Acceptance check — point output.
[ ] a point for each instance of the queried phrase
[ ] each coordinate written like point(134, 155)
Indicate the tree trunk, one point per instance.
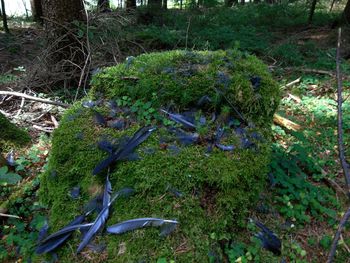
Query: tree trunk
point(230, 3)
point(37, 10)
point(346, 13)
point(4, 17)
point(165, 4)
point(66, 52)
point(312, 11)
point(155, 4)
point(242, 2)
point(103, 5)
point(130, 4)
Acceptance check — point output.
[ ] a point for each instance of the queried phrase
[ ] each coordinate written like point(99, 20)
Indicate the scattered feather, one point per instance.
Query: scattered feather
point(99, 119)
point(107, 192)
point(117, 124)
point(180, 119)
point(75, 192)
point(246, 143)
point(134, 224)
point(204, 101)
point(174, 150)
point(95, 204)
point(10, 159)
point(272, 179)
point(149, 150)
point(106, 146)
point(174, 191)
point(268, 239)
point(256, 82)
point(185, 138)
point(79, 136)
point(89, 104)
point(125, 149)
point(97, 248)
point(101, 218)
point(225, 147)
point(43, 231)
point(55, 240)
point(167, 229)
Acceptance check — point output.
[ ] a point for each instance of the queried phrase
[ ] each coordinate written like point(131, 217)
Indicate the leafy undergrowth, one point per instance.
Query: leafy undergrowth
point(302, 204)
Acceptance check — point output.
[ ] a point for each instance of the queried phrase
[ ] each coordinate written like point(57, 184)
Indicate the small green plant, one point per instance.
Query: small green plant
point(7, 177)
point(296, 197)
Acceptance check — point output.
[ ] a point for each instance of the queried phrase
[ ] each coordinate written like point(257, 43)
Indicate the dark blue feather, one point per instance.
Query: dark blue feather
point(75, 192)
point(55, 240)
point(117, 124)
point(180, 119)
point(268, 239)
point(134, 224)
point(99, 119)
point(225, 147)
point(101, 218)
point(125, 149)
point(10, 159)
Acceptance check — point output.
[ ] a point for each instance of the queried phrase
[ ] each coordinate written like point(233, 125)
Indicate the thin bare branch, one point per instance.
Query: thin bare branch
point(22, 95)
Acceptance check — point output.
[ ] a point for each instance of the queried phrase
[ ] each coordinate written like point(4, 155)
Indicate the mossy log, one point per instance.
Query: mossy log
point(218, 189)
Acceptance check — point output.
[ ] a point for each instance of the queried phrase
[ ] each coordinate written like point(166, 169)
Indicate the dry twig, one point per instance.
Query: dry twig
point(341, 153)
point(22, 95)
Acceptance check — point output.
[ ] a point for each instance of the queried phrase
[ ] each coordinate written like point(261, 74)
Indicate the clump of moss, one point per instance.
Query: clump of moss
point(10, 134)
point(217, 189)
point(181, 78)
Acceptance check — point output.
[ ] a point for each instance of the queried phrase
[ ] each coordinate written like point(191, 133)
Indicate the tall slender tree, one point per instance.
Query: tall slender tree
point(130, 4)
point(103, 5)
point(155, 4)
point(4, 17)
point(37, 10)
point(346, 13)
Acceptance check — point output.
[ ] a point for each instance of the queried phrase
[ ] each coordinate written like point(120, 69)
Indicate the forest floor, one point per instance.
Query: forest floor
point(306, 197)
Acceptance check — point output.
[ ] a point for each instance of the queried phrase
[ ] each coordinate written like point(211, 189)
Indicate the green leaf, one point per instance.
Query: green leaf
point(8, 178)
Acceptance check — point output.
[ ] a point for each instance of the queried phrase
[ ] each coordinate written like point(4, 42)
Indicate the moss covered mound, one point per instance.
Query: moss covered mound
point(208, 193)
point(182, 78)
point(10, 134)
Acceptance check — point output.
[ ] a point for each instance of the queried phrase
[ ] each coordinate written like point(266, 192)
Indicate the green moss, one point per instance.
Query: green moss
point(182, 78)
point(218, 189)
point(10, 134)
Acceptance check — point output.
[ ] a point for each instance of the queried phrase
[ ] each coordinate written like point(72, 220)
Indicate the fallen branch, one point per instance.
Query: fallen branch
point(281, 121)
point(292, 82)
point(7, 215)
point(44, 129)
point(337, 236)
point(22, 95)
point(309, 70)
point(341, 149)
point(341, 153)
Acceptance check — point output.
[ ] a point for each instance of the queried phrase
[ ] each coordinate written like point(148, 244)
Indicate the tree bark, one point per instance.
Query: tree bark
point(230, 3)
point(155, 4)
point(312, 11)
point(165, 4)
point(37, 10)
point(103, 5)
point(4, 17)
point(346, 13)
point(66, 53)
point(130, 4)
